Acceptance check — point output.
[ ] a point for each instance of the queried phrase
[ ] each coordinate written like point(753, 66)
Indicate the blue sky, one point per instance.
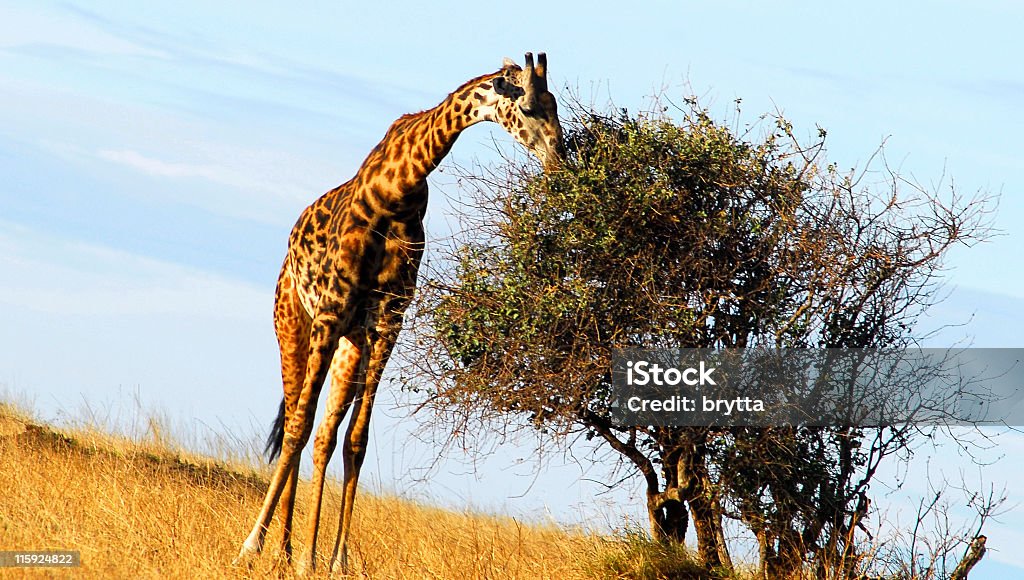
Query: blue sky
point(153, 158)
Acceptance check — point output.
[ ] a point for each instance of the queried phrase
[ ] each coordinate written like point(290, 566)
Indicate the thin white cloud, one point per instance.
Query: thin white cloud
point(160, 168)
point(55, 276)
point(252, 184)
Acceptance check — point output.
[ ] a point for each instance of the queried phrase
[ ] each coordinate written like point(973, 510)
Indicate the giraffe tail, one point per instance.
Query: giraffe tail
point(276, 438)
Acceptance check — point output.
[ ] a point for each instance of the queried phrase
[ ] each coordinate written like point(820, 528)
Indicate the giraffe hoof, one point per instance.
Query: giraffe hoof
point(304, 566)
point(246, 556)
point(339, 565)
point(244, 559)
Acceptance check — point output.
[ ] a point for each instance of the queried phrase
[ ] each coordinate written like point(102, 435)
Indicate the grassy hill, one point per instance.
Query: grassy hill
point(143, 510)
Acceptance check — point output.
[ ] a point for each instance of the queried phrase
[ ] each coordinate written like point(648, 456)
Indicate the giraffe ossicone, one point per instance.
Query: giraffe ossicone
point(349, 275)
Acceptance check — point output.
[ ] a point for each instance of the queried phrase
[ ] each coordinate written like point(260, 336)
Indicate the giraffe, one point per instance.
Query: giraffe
point(349, 275)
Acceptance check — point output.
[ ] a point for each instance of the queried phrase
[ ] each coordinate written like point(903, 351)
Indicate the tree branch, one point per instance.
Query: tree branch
point(974, 554)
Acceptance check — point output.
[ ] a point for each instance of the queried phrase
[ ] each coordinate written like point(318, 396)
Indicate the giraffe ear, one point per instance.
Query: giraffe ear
point(508, 63)
point(507, 89)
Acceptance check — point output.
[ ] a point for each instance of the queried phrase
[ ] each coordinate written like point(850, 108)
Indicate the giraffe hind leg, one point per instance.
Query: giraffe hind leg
point(288, 499)
point(272, 451)
point(327, 329)
point(292, 325)
point(326, 332)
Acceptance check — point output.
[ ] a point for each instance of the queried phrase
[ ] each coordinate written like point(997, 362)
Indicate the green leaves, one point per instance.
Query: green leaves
point(655, 233)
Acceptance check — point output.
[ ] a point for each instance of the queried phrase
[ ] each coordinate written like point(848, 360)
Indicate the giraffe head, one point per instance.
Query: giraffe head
point(527, 110)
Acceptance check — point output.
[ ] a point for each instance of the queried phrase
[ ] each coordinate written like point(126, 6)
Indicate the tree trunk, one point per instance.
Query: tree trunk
point(765, 553)
point(707, 524)
point(782, 561)
point(669, 521)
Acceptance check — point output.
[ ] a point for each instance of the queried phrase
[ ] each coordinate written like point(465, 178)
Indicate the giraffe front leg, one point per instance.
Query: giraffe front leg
point(347, 369)
point(357, 436)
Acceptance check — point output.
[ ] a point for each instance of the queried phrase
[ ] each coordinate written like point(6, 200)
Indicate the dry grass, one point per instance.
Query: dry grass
point(136, 510)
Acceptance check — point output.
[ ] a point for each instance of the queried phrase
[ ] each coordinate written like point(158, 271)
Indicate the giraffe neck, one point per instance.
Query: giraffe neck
point(416, 143)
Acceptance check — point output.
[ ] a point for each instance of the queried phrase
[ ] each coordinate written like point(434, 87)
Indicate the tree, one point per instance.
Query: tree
point(665, 234)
